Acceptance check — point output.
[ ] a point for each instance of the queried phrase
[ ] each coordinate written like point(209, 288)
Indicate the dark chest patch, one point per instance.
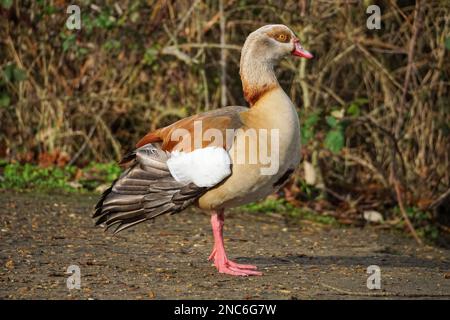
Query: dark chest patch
point(283, 178)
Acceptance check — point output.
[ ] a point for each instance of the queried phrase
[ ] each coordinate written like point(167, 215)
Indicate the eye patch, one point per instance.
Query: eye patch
point(280, 36)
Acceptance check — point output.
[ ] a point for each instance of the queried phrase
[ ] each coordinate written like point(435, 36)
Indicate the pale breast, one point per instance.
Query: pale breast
point(272, 136)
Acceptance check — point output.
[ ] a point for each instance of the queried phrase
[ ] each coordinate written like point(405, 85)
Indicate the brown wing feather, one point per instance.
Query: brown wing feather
point(220, 119)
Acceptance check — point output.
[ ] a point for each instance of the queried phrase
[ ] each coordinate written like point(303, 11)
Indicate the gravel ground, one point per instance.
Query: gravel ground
point(41, 235)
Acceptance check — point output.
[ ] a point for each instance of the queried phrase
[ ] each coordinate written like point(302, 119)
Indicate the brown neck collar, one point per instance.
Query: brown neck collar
point(253, 93)
point(257, 78)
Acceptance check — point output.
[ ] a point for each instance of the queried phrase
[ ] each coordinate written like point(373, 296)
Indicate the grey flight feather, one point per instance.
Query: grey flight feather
point(144, 191)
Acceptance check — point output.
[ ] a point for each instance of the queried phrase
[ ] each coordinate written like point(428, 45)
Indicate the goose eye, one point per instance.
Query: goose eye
point(282, 37)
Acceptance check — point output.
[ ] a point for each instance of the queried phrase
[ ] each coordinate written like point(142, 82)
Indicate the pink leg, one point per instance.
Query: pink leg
point(218, 254)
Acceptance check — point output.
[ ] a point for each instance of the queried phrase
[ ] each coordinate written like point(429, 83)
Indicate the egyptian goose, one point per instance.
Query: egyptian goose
point(214, 160)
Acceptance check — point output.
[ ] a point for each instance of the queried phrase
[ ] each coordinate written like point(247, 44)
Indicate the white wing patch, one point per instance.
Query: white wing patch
point(204, 167)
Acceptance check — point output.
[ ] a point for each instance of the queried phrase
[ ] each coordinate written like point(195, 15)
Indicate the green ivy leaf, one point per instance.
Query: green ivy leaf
point(307, 127)
point(312, 119)
point(14, 74)
point(354, 110)
point(334, 141)
point(19, 74)
point(8, 72)
point(332, 121)
point(5, 100)
point(307, 133)
point(105, 21)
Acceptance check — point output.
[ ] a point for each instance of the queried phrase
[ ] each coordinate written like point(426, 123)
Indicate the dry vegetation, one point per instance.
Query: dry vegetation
point(374, 104)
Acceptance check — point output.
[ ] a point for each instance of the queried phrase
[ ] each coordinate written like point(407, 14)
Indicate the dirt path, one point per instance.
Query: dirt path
point(41, 235)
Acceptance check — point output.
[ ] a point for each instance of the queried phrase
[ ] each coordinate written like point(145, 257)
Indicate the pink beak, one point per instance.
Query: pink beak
point(300, 52)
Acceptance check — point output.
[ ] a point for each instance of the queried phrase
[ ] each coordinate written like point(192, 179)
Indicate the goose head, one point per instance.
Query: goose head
point(263, 49)
point(272, 43)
